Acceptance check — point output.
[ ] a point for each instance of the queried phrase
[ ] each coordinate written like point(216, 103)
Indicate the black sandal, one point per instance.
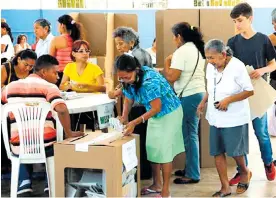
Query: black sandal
point(221, 194)
point(241, 188)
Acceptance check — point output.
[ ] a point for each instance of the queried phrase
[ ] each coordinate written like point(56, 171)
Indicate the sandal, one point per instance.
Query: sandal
point(221, 194)
point(242, 187)
point(147, 191)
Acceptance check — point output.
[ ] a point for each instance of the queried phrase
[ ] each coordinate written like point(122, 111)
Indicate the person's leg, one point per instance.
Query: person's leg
point(221, 165)
point(156, 174)
point(24, 180)
point(192, 166)
point(244, 171)
point(261, 132)
point(166, 173)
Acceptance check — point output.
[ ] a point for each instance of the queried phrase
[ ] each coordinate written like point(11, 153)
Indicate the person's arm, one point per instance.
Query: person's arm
point(64, 118)
point(65, 83)
point(223, 104)
point(156, 106)
point(3, 47)
point(4, 75)
point(126, 108)
point(95, 88)
point(171, 74)
point(52, 49)
point(16, 49)
point(271, 66)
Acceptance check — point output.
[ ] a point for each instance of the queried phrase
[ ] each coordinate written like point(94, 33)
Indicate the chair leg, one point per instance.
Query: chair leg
point(50, 169)
point(14, 176)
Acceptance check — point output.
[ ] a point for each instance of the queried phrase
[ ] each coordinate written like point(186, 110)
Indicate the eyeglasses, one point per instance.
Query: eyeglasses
point(84, 51)
point(27, 64)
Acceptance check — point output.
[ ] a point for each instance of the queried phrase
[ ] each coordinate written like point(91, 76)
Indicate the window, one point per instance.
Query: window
point(71, 3)
point(216, 3)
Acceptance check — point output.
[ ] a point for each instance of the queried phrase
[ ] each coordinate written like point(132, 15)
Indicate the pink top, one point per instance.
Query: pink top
point(64, 55)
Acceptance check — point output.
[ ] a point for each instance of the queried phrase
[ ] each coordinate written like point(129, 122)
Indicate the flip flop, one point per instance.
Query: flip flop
point(220, 194)
point(242, 187)
point(147, 191)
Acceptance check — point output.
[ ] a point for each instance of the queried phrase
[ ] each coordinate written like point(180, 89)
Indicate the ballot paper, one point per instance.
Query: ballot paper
point(129, 155)
point(70, 95)
point(104, 138)
point(263, 98)
point(116, 124)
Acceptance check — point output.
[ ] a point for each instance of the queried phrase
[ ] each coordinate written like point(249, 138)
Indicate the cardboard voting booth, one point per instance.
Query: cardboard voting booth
point(204, 19)
point(93, 165)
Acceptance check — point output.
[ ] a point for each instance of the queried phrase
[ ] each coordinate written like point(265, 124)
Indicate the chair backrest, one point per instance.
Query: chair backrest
point(30, 119)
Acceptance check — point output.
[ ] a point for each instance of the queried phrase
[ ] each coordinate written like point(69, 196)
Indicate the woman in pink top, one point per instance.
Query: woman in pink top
point(61, 46)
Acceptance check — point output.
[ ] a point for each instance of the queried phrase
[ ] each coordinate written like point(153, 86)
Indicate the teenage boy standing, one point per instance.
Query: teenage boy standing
point(254, 48)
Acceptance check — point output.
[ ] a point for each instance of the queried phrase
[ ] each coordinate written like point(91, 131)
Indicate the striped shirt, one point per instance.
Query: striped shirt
point(32, 88)
point(63, 55)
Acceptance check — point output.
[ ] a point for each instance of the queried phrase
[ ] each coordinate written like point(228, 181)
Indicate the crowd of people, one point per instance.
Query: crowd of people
point(164, 107)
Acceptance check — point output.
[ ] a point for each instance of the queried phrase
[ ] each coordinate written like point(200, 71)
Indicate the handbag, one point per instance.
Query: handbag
point(180, 95)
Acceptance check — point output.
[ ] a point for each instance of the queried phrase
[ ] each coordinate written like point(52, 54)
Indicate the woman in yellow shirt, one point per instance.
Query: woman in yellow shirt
point(82, 77)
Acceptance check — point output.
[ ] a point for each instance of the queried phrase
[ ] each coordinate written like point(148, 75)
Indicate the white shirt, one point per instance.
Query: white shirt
point(152, 54)
point(233, 80)
point(43, 46)
point(184, 59)
point(6, 40)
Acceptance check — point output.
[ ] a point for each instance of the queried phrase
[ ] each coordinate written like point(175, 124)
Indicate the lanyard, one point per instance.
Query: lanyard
point(216, 83)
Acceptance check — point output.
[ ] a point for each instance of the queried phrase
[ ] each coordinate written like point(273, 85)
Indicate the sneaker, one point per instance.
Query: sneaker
point(25, 187)
point(270, 171)
point(235, 180)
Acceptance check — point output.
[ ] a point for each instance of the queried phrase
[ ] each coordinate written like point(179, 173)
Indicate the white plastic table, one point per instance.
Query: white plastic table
point(86, 103)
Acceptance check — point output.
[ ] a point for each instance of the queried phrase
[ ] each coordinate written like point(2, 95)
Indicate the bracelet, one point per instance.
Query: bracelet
point(143, 119)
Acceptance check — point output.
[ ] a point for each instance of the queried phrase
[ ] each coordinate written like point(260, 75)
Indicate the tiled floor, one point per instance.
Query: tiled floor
point(259, 186)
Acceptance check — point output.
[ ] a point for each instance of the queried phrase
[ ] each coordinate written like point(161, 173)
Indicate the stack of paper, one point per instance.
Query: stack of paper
point(263, 98)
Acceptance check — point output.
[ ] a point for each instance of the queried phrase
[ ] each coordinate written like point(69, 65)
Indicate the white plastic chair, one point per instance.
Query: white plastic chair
point(30, 119)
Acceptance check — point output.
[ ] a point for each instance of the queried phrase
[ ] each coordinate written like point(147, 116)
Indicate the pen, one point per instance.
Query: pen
point(79, 138)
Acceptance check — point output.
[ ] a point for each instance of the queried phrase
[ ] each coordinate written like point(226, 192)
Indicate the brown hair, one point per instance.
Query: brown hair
point(77, 45)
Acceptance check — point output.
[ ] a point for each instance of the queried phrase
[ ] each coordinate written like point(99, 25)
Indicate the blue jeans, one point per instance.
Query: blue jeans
point(261, 132)
point(190, 134)
point(26, 170)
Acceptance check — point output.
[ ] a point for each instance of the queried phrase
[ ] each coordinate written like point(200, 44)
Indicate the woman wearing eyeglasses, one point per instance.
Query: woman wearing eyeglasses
point(82, 76)
point(228, 112)
point(19, 67)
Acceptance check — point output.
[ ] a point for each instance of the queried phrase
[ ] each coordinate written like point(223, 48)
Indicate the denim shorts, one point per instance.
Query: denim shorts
point(233, 140)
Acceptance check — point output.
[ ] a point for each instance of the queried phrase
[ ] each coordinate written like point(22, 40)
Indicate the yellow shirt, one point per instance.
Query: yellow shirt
point(89, 75)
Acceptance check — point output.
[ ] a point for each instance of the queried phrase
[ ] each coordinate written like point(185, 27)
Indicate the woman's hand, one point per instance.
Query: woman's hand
point(200, 108)
point(122, 119)
point(114, 94)
point(129, 128)
point(223, 104)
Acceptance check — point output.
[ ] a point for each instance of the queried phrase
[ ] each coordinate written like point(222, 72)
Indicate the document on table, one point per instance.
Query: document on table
point(129, 155)
point(263, 98)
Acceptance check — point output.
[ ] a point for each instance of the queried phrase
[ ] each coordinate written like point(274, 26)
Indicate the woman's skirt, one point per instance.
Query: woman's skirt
point(164, 137)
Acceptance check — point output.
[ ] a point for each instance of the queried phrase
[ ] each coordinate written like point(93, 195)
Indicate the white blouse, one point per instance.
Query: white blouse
point(233, 80)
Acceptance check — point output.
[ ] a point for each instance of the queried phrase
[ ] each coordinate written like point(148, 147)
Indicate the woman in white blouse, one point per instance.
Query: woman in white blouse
point(7, 51)
point(185, 69)
point(42, 30)
point(228, 112)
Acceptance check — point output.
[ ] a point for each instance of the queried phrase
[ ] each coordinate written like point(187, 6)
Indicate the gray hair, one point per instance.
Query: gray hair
point(218, 46)
point(273, 15)
point(127, 34)
point(44, 23)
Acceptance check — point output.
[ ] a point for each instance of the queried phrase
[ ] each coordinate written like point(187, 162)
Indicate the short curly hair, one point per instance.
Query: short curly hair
point(127, 34)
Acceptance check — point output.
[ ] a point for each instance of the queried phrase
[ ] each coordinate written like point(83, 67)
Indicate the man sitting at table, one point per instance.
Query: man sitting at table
point(39, 86)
